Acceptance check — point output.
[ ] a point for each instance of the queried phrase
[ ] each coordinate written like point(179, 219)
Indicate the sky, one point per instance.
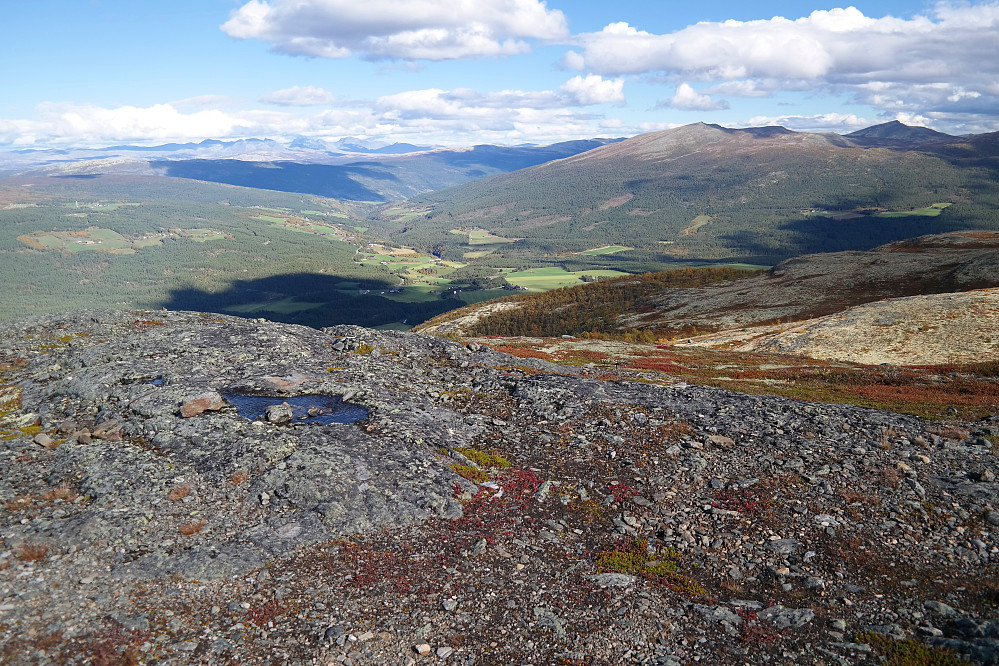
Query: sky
point(92, 73)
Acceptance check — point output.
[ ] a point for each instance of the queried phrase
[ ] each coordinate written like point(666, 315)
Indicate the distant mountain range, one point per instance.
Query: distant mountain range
point(694, 193)
point(347, 169)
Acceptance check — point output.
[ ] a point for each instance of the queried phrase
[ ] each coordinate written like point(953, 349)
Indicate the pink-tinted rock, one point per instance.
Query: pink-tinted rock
point(206, 402)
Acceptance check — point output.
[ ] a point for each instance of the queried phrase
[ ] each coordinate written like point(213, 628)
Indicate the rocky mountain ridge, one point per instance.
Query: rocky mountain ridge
point(489, 510)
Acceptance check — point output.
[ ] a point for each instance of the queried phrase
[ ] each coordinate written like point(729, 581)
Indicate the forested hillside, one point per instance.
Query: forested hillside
point(147, 242)
point(758, 195)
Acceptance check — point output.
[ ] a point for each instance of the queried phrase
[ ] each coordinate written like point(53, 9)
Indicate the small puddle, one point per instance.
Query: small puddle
point(323, 409)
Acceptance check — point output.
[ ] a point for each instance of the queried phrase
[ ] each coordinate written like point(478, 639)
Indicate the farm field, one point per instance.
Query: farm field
point(96, 239)
point(543, 279)
point(929, 211)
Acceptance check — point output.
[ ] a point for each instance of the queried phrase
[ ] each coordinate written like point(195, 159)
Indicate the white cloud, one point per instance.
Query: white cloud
point(469, 104)
point(947, 62)
point(593, 89)
point(300, 96)
point(404, 29)
point(825, 122)
point(688, 99)
point(95, 125)
point(743, 89)
point(461, 116)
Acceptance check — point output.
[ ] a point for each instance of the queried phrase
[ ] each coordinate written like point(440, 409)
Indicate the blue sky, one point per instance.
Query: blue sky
point(459, 72)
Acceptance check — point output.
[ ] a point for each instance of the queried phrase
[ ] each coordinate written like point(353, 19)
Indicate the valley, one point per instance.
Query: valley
point(101, 232)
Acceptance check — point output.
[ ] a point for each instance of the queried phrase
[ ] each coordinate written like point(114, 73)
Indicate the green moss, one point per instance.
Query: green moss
point(632, 557)
point(28, 431)
point(471, 473)
point(483, 459)
point(908, 652)
point(364, 349)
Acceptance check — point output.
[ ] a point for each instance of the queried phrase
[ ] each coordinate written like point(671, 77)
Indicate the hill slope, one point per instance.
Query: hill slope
point(487, 509)
point(387, 174)
point(935, 329)
point(703, 191)
point(799, 288)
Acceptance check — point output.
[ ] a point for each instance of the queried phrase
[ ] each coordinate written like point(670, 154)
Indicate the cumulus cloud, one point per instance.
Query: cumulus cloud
point(945, 62)
point(95, 125)
point(688, 99)
point(593, 89)
point(468, 103)
point(842, 123)
point(743, 88)
point(403, 29)
point(460, 116)
point(299, 96)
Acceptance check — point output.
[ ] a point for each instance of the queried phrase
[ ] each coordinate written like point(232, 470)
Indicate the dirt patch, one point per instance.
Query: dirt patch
point(616, 201)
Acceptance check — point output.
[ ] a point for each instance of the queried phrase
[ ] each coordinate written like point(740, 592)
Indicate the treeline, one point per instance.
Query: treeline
point(591, 308)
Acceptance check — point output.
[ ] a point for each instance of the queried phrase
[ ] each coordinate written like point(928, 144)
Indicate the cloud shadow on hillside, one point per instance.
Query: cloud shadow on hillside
point(311, 299)
point(812, 235)
point(326, 180)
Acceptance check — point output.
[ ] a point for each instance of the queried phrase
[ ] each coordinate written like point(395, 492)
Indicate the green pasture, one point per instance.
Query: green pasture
point(109, 240)
point(201, 235)
point(930, 211)
point(481, 237)
point(544, 279)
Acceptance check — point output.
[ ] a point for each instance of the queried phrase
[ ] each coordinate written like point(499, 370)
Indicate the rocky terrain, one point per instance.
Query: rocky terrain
point(488, 509)
point(934, 329)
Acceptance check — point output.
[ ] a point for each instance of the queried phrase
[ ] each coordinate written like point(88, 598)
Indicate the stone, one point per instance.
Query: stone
point(209, 401)
point(940, 608)
point(422, 649)
point(110, 431)
point(279, 414)
point(722, 441)
point(785, 546)
point(612, 579)
point(45, 441)
point(547, 618)
point(444, 652)
point(787, 618)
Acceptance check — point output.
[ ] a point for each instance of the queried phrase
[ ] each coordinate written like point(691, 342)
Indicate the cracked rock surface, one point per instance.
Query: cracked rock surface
point(487, 510)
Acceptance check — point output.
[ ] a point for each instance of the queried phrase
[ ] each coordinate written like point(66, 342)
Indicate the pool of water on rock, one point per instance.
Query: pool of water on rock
point(323, 409)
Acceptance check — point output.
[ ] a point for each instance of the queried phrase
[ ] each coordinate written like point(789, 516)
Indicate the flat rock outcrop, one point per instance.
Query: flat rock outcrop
point(935, 329)
point(487, 510)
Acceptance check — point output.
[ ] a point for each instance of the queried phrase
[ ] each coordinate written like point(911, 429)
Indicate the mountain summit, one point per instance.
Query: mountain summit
point(897, 131)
